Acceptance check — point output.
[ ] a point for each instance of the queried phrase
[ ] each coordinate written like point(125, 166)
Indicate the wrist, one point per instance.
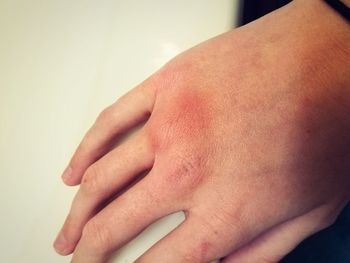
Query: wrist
point(325, 49)
point(338, 8)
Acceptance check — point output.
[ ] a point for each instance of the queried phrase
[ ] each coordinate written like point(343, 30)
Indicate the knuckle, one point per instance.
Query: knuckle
point(223, 226)
point(177, 72)
point(327, 215)
point(327, 222)
point(90, 183)
point(168, 76)
point(97, 237)
point(327, 219)
point(184, 176)
point(232, 218)
point(192, 255)
point(70, 223)
point(105, 115)
point(200, 253)
point(71, 227)
point(267, 259)
point(186, 173)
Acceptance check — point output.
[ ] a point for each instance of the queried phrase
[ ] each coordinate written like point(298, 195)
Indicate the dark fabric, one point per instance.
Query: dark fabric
point(331, 245)
point(340, 7)
point(253, 9)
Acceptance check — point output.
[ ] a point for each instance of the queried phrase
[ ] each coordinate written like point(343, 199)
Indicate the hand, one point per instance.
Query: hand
point(248, 133)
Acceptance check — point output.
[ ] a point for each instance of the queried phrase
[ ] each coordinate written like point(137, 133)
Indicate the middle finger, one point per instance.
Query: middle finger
point(103, 179)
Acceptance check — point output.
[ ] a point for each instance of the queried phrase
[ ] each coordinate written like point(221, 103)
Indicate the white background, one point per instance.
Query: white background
point(62, 62)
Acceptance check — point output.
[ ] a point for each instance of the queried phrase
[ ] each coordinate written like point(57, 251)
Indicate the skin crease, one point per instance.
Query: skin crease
point(248, 134)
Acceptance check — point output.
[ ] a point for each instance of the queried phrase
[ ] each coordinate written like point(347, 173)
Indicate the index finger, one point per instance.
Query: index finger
point(128, 111)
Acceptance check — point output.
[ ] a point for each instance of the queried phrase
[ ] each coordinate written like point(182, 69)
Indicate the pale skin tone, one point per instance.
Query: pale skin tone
point(247, 133)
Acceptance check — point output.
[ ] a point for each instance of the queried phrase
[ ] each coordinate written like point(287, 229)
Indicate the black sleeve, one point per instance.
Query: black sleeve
point(253, 9)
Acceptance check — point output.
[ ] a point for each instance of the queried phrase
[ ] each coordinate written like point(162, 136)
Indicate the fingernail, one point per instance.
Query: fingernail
point(60, 243)
point(67, 173)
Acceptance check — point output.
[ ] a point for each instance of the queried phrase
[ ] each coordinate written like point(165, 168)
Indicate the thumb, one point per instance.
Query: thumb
point(273, 245)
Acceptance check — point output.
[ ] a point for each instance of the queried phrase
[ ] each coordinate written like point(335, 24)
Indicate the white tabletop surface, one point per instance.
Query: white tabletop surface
point(62, 62)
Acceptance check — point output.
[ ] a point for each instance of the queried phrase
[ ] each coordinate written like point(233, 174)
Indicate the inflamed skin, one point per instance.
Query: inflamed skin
point(247, 133)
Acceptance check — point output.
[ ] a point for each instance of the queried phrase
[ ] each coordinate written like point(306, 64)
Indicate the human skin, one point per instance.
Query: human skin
point(247, 133)
point(347, 2)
